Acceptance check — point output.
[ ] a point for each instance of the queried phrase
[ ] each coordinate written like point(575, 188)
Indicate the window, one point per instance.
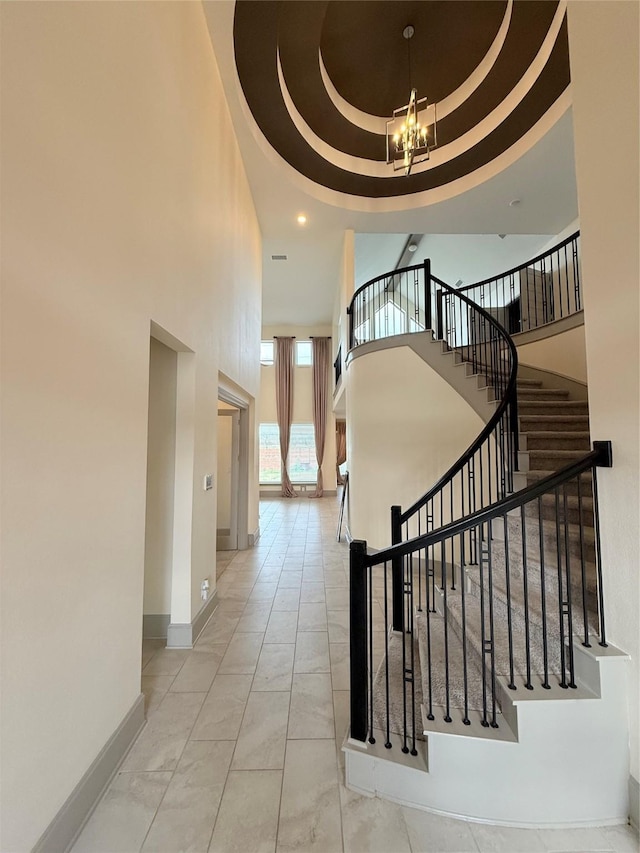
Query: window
point(304, 354)
point(303, 467)
point(266, 352)
point(269, 454)
point(388, 320)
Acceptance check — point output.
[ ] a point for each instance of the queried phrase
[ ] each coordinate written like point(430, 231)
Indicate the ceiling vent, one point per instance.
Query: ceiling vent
point(278, 257)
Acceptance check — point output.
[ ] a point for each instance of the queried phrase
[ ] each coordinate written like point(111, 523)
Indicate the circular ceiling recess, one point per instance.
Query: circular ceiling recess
point(321, 77)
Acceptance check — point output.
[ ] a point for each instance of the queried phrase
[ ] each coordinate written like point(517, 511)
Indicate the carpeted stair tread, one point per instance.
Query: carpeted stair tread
point(549, 407)
point(554, 423)
point(431, 642)
point(553, 459)
point(555, 439)
point(532, 477)
point(512, 595)
point(396, 699)
point(578, 509)
point(542, 394)
point(550, 539)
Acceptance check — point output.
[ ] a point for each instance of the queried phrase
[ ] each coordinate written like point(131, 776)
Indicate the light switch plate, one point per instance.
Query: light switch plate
point(208, 482)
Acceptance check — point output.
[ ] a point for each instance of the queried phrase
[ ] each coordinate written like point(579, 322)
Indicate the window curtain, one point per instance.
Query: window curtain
point(284, 405)
point(341, 449)
point(321, 361)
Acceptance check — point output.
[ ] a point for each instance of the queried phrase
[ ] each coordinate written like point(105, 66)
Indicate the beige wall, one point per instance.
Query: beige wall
point(603, 38)
point(124, 201)
point(302, 396)
point(405, 427)
point(564, 353)
point(161, 462)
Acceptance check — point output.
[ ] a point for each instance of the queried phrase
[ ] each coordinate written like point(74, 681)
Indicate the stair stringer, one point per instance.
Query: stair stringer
point(445, 362)
point(562, 762)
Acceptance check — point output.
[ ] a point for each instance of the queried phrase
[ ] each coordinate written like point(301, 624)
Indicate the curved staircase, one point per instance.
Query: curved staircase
point(497, 697)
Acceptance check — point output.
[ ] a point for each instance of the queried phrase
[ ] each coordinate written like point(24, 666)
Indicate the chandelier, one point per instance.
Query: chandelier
point(411, 133)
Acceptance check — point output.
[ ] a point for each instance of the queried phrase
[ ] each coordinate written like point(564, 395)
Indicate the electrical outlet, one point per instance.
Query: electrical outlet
point(204, 589)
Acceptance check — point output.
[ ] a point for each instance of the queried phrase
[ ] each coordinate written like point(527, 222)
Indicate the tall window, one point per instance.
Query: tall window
point(269, 454)
point(304, 354)
point(303, 467)
point(266, 352)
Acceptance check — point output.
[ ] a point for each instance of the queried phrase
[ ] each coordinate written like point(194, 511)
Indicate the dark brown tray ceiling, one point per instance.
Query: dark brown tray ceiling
point(366, 59)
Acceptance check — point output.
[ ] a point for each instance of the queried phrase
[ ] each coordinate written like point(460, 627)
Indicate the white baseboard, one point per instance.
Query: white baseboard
point(155, 625)
point(68, 823)
point(253, 537)
point(182, 635)
point(634, 802)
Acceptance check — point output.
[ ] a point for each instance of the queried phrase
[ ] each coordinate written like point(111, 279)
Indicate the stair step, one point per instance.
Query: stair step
point(551, 407)
point(430, 631)
point(513, 597)
point(553, 423)
point(578, 547)
point(555, 440)
point(542, 394)
point(528, 383)
point(521, 479)
point(576, 509)
point(553, 459)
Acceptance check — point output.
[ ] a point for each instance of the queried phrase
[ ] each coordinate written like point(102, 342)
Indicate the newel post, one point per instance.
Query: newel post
point(358, 637)
point(427, 294)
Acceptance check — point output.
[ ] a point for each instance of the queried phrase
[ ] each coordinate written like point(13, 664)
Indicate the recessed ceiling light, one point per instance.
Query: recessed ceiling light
point(302, 219)
point(514, 203)
point(412, 247)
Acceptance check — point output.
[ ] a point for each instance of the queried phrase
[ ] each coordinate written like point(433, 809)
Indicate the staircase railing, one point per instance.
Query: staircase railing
point(412, 300)
point(540, 291)
point(505, 622)
point(514, 577)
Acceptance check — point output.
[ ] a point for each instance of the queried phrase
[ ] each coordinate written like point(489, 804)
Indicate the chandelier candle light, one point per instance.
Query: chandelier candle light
point(411, 133)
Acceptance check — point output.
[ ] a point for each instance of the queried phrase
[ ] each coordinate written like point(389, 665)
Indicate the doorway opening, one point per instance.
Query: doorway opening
point(228, 477)
point(161, 463)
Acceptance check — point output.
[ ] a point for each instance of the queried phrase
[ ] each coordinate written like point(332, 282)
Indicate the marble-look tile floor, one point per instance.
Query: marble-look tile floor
point(241, 751)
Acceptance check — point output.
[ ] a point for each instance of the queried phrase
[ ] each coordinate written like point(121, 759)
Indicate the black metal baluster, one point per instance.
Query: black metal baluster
point(583, 566)
point(507, 567)
point(453, 562)
point(405, 749)
point(543, 599)
point(443, 558)
point(370, 638)
point(569, 604)
point(429, 609)
point(465, 676)
point(576, 275)
point(563, 680)
point(525, 590)
point(386, 654)
point(483, 637)
point(492, 646)
point(410, 634)
point(419, 568)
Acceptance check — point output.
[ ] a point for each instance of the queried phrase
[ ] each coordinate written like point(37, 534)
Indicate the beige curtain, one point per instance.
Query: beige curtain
point(341, 449)
point(321, 361)
point(284, 405)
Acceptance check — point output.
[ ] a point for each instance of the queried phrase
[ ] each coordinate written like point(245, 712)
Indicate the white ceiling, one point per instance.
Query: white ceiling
point(301, 290)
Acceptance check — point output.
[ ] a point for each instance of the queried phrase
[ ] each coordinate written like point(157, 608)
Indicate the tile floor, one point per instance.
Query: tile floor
point(241, 751)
